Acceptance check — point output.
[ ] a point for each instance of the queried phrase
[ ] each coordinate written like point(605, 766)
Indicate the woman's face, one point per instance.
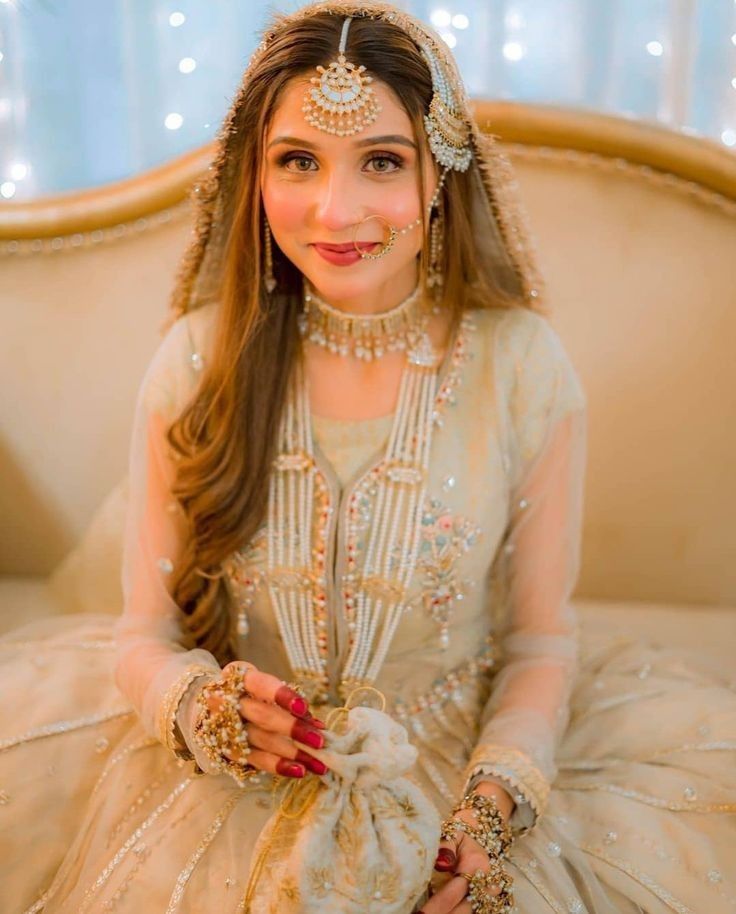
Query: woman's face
point(317, 187)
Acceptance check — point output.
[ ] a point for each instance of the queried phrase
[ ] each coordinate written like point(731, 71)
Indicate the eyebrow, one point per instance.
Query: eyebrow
point(368, 141)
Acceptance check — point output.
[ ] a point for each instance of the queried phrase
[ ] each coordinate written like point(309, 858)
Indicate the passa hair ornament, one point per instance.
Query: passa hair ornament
point(342, 103)
point(340, 100)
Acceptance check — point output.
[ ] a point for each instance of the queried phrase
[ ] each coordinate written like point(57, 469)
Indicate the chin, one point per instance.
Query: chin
point(331, 282)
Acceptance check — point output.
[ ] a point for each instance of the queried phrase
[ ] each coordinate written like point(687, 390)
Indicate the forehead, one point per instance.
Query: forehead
point(288, 117)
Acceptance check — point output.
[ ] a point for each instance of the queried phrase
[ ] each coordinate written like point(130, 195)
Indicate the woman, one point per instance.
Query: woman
point(358, 460)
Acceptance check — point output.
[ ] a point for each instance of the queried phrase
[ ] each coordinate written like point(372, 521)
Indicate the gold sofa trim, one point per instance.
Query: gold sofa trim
point(685, 163)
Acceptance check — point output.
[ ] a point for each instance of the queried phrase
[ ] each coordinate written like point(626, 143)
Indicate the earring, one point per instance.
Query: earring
point(268, 278)
point(435, 276)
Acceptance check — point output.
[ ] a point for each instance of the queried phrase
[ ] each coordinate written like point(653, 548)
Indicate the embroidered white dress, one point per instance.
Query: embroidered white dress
point(621, 755)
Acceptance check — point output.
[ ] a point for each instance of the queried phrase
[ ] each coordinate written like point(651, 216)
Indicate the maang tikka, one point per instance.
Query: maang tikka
point(341, 100)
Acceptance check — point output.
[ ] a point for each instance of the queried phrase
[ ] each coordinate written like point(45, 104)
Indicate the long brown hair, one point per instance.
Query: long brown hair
point(226, 436)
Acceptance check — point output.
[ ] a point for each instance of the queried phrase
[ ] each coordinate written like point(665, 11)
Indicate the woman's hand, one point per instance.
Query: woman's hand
point(464, 856)
point(279, 726)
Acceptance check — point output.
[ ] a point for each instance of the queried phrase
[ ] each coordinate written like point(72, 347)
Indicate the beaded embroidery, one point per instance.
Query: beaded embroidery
point(380, 555)
point(445, 538)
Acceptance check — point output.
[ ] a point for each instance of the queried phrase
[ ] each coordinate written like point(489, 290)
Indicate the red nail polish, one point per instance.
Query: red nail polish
point(303, 733)
point(315, 740)
point(445, 861)
point(290, 769)
point(313, 764)
point(298, 707)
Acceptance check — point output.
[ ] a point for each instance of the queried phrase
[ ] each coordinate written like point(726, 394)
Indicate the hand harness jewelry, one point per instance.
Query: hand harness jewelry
point(224, 729)
point(495, 837)
point(366, 336)
point(482, 881)
point(492, 832)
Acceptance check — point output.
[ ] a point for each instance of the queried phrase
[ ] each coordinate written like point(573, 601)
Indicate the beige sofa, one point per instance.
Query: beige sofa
point(636, 228)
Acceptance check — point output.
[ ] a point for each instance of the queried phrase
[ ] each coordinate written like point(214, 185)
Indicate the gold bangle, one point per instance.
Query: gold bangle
point(169, 707)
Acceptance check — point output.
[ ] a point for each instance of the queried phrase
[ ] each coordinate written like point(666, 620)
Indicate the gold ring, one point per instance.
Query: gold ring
point(465, 876)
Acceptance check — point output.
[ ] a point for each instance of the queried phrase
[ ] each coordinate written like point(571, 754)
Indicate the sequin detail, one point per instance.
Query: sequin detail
point(658, 802)
point(642, 878)
point(131, 843)
point(529, 870)
point(209, 836)
point(62, 726)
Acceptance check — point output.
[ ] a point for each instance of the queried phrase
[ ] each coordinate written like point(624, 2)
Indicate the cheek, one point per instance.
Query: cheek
point(285, 209)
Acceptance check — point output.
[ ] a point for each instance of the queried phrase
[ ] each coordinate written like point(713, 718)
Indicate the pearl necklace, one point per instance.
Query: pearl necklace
point(366, 336)
point(375, 595)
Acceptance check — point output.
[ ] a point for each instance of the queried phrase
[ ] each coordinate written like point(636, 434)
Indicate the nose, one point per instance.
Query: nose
point(335, 209)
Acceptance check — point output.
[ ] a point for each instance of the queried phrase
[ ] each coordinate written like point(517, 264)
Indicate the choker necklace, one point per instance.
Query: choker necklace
point(366, 336)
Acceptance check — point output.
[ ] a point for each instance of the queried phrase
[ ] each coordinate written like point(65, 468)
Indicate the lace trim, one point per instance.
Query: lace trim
point(169, 705)
point(514, 766)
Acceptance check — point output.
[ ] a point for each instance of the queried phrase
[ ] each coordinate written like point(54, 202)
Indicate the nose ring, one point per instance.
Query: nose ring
point(387, 245)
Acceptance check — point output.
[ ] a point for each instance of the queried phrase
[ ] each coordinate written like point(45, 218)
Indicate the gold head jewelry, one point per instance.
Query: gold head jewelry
point(340, 100)
point(499, 226)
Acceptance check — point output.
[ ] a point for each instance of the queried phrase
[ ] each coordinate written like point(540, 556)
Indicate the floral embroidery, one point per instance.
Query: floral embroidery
point(245, 571)
point(444, 538)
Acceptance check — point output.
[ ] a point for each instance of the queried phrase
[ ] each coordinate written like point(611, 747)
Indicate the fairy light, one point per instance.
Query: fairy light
point(449, 39)
point(655, 48)
point(514, 20)
point(514, 51)
point(440, 18)
point(176, 19)
point(729, 137)
point(187, 65)
point(18, 171)
point(173, 121)
point(7, 190)
point(460, 21)
point(733, 81)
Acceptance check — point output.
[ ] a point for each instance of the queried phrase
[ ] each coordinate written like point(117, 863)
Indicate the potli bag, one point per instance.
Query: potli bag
point(362, 839)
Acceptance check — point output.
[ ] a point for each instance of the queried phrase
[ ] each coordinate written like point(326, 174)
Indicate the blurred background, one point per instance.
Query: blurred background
point(93, 92)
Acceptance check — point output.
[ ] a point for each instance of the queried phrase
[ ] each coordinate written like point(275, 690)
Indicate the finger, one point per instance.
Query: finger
point(448, 897)
point(274, 764)
point(463, 908)
point(270, 688)
point(269, 717)
point(447, 854)
point(472, 857)
point(284, 747)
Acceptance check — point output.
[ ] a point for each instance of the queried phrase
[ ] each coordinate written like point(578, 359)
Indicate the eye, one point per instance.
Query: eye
point(384, 158)
point(298, 157)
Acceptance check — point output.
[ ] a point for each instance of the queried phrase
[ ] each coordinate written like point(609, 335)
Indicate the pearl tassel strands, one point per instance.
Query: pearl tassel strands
point(373, 599)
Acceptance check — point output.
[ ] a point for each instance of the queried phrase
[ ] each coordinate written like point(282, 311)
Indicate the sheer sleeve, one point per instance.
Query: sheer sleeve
point(534, 573)
point(151, 658)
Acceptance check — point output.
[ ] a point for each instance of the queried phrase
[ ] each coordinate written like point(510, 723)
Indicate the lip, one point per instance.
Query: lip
point(342, 255)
